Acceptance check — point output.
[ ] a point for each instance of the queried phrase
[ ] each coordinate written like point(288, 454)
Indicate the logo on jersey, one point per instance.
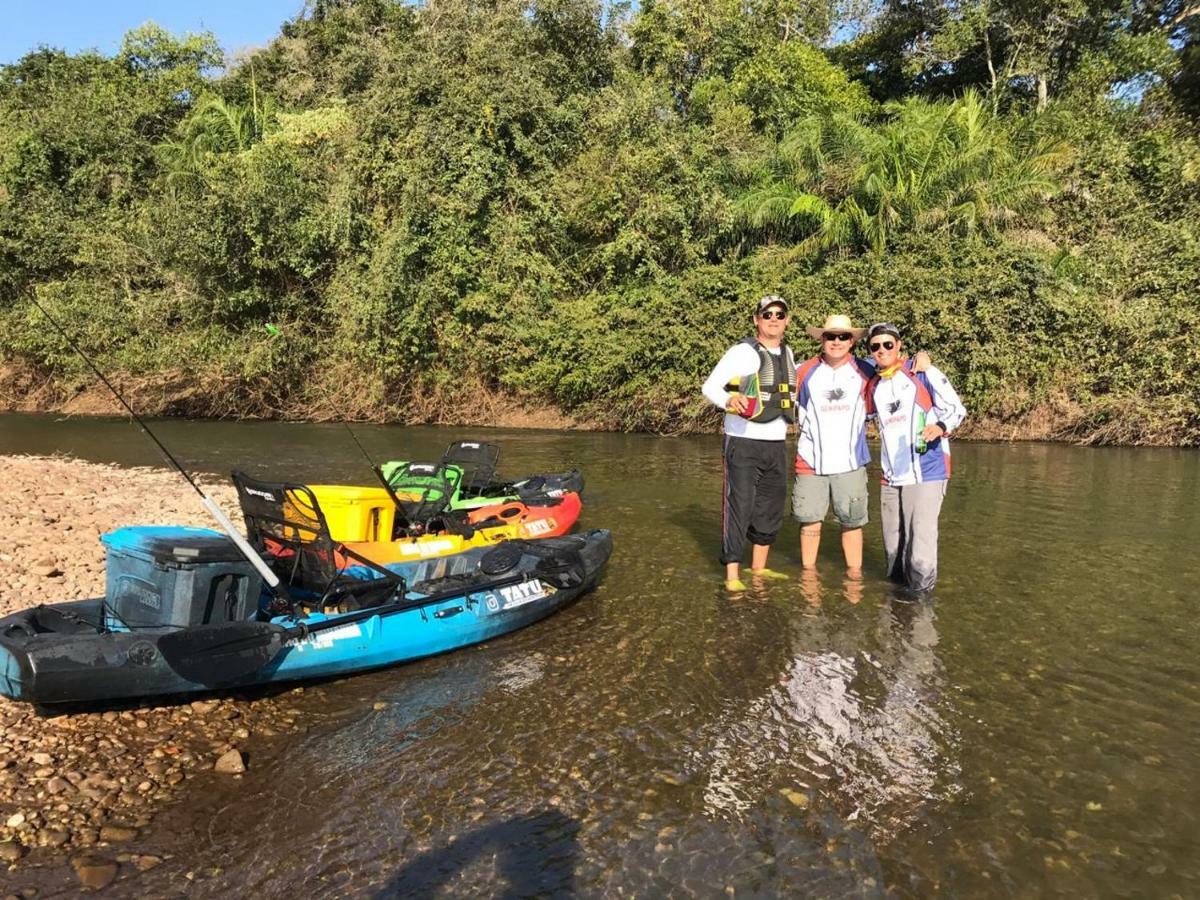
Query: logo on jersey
point(835, 394)
point(893, 406)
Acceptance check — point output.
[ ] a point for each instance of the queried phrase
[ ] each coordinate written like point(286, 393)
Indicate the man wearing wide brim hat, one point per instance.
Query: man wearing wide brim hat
point(831, 450)
point(835, 324)
point(754, 382)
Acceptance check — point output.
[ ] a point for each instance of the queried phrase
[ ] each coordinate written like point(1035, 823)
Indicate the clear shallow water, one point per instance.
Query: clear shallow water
point(1031, 731)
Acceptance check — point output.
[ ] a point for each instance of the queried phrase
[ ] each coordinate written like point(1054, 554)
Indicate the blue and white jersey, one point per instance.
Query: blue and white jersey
point(831, 416)
point(899, 404)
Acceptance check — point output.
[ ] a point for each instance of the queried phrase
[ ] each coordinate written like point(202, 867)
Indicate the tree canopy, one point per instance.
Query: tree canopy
point(570, 204)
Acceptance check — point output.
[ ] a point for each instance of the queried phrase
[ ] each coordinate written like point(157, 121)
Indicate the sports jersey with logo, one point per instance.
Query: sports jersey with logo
point(831, 416)
point(901, 404)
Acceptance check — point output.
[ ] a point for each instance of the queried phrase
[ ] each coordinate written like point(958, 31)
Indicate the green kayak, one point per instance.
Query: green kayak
point(466, 474)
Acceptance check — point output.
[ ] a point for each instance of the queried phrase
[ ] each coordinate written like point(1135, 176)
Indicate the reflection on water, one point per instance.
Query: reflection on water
point(859, 729)
point(1030, 730)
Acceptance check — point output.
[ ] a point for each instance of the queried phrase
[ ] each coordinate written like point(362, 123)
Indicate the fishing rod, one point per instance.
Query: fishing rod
point(363, 450)
point(209, 504)
point(401, 508)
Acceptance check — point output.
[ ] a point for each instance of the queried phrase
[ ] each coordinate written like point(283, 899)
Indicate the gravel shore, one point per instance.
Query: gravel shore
point(82, 784)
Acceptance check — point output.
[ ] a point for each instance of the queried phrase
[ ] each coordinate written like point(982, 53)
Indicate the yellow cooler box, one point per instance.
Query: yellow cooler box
point(356, 513)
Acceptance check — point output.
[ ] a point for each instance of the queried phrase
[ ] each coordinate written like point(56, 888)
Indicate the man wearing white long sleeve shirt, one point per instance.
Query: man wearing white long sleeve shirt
point(761, 371)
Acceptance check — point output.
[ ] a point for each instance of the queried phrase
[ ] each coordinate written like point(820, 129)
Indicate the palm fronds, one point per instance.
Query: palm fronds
point(931, 166)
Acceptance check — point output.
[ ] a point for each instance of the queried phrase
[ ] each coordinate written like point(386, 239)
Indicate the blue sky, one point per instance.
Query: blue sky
point(75, 25)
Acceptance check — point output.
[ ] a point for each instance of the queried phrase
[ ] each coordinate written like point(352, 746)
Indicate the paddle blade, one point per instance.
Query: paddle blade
point(214, 655)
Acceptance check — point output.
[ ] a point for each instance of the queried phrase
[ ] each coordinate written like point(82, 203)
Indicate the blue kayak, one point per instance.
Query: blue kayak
point(184, 612)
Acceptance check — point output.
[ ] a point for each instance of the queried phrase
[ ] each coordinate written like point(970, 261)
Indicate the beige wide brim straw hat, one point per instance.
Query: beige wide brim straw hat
point(837, 324)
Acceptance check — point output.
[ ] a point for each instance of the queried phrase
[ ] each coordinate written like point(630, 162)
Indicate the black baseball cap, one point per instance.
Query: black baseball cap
point(883, 328)
point(770, 300)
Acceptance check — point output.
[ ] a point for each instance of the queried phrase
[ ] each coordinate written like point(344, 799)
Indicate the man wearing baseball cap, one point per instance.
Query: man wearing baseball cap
point(755, 383)
point(915, 411)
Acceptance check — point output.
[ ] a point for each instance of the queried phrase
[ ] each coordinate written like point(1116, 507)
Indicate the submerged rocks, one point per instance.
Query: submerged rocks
point(117, 834)
point(93, 872)
point(10, 851)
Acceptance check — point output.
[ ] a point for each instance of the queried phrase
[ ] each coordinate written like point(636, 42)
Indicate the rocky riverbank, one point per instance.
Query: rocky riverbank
point(85, 784)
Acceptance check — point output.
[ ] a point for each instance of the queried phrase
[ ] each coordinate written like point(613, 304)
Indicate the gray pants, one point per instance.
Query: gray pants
point(909, 515)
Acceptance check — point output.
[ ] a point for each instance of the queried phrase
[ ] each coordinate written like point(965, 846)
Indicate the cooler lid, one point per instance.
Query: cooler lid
point(173, 544)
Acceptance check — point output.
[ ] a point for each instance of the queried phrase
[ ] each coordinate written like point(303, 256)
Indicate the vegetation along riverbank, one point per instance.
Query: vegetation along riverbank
point(553, 213)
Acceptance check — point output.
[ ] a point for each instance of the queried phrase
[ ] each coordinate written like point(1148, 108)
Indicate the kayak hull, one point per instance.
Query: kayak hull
point(55, 654)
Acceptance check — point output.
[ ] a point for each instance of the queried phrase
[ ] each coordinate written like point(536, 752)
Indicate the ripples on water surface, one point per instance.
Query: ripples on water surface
point(1031, 731)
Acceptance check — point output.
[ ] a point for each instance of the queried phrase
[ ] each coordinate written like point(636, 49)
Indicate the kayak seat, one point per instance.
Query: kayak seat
point(286, 524)
point(422, 494)
point(477, 461)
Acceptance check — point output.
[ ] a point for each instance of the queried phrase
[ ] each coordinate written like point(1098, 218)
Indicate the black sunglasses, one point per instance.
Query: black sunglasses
point(830, 336)
point(882, 345)
point(773, 314)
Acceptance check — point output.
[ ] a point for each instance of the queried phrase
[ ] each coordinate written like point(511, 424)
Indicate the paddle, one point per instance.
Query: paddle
point(224, 653)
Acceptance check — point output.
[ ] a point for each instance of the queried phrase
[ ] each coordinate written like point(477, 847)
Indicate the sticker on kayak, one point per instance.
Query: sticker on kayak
point(539, 526)
point(323, 640)
point(515, 595)
point(426, 548)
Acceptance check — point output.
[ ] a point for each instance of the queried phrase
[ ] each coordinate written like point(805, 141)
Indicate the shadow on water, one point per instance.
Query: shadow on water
point(702, 524)
point(533, 855)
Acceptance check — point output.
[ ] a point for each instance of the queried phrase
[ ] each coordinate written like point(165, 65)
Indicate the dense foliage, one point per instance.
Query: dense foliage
point(420, 212)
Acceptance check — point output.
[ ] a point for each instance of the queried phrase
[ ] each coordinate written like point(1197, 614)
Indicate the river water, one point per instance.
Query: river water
point(1031, 730)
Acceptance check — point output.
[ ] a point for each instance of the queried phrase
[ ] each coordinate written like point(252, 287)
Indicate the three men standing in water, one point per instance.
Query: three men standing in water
point(829, 397)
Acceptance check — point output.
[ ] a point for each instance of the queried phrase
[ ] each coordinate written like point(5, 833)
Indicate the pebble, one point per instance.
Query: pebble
point(69, 775)
point(52, 837)
point(45, 568)
point(94, 872)
point(796, 798)
point(117, 834)
point(230, 762)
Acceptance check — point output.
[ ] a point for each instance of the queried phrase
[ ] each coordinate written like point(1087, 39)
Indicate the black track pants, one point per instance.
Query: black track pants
point(755, 494)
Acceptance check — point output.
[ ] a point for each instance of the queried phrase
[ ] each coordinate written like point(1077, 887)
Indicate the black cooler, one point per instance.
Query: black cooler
point(176, 576)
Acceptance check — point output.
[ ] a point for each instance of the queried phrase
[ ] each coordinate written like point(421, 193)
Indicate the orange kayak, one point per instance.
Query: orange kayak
point(487, 525)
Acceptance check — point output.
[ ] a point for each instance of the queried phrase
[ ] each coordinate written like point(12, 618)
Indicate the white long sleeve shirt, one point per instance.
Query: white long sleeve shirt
point(739, 361)
point(898, 402)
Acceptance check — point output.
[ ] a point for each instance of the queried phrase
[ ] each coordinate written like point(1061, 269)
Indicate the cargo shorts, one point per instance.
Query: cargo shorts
point(812, 494)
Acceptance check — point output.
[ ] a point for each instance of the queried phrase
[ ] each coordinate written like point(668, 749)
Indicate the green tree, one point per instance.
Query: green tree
point(945, 166)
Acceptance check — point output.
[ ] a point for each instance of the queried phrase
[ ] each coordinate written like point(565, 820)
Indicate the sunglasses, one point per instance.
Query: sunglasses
point(773, 314)
point(830, 336)
point(882, 345)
